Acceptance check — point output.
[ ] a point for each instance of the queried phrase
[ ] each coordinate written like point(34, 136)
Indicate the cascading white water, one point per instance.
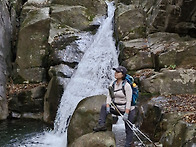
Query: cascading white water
point(93, 75)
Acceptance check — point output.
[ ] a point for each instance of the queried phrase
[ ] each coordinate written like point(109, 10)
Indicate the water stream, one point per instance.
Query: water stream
point(93, 75)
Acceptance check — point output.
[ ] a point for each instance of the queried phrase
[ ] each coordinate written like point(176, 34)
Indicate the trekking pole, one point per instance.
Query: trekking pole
point(133, 128)
point(141, 133)
point(128, 124)
point(111, 93)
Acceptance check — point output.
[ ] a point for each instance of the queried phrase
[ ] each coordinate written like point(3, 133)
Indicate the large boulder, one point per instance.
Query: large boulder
point(70, 17)
point(52, 97)
point(135, 55)
point(130, 22)
point(157, 51)
point(76, 16)
point(5, 55)
point(169, 15)
point(32, 49)
point(179, 132)
point(85, 117)
point(61, 70)
point(99, 139)
point(26, 100)
point(166, 120)
point(168, 81)
point(95, 7)
point(180, 54)
point(15, 10)
point(64, 53)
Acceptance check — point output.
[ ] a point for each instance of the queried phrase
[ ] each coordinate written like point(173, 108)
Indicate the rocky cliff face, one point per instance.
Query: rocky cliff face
point(159, 50)
point(47, 52)
point(154, 40)
point(5, 55)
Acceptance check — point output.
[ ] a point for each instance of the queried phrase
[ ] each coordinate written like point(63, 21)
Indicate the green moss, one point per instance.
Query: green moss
point(45, 39)
point(31, 15)
point(141, 31)
point(89, 14)
point(17, 79)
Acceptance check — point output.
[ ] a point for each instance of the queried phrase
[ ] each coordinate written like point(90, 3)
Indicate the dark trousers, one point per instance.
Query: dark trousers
point(129, 132)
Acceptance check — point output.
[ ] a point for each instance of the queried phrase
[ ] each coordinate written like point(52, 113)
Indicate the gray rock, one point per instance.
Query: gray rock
point(70, 56)
point(125, 26)
point(135, 55)
point(61, 70)
point(167, 81)
point(27, 101)
point(95, 7)
point(53, 96)
point(5, 55)
point(34, 75)
point(158, 50)
point(77, 20)
point(180, 54)
point(32, 49)
point(178, 133)
point(85, 117)
point(70, 17)
point(169, 128)
point(99, 139)
point(166, 15)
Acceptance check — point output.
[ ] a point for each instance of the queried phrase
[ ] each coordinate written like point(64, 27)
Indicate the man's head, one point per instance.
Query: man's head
point(121, 69)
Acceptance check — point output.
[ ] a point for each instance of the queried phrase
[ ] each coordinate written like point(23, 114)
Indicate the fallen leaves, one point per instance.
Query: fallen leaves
point(17, 88)
point(182, 103)
point(190, 118)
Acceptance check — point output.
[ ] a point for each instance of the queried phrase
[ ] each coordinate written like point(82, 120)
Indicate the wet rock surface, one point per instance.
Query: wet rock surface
point(52, 97)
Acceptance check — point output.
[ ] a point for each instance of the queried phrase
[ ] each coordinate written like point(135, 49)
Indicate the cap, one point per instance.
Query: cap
point(121, 69)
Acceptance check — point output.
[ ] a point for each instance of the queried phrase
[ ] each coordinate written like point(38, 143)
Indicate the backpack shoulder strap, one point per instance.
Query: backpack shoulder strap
point(117, 89)
point(123, 87)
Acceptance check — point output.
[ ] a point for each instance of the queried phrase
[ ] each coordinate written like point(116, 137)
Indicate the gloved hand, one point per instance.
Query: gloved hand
point(125, 117)
point(108, 110)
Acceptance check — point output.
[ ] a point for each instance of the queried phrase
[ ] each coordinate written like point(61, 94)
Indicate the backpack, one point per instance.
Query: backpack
point(135, 91)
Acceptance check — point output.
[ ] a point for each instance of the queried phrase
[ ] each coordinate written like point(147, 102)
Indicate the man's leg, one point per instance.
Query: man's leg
point(129, 132)
point(102, 115)
point(102, 118)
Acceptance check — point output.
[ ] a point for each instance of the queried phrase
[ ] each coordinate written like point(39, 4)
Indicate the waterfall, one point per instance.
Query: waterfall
point(93, 75)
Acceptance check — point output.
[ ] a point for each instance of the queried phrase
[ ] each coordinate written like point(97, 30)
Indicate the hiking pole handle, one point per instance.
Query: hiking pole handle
point(111, 91)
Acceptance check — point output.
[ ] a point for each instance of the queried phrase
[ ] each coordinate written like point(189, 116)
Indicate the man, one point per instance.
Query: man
point(122, 101)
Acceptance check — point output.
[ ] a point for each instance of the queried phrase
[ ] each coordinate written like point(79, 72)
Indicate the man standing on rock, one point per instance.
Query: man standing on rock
point(122, 101)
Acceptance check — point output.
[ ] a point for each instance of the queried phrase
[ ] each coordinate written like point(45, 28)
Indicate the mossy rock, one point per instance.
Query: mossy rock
point(33, 39)
point(86, 116)
point(99, 139)
point(130, 22)
point(95, 7)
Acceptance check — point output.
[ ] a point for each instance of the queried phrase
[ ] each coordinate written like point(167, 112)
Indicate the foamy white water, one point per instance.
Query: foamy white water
point(93, 75)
